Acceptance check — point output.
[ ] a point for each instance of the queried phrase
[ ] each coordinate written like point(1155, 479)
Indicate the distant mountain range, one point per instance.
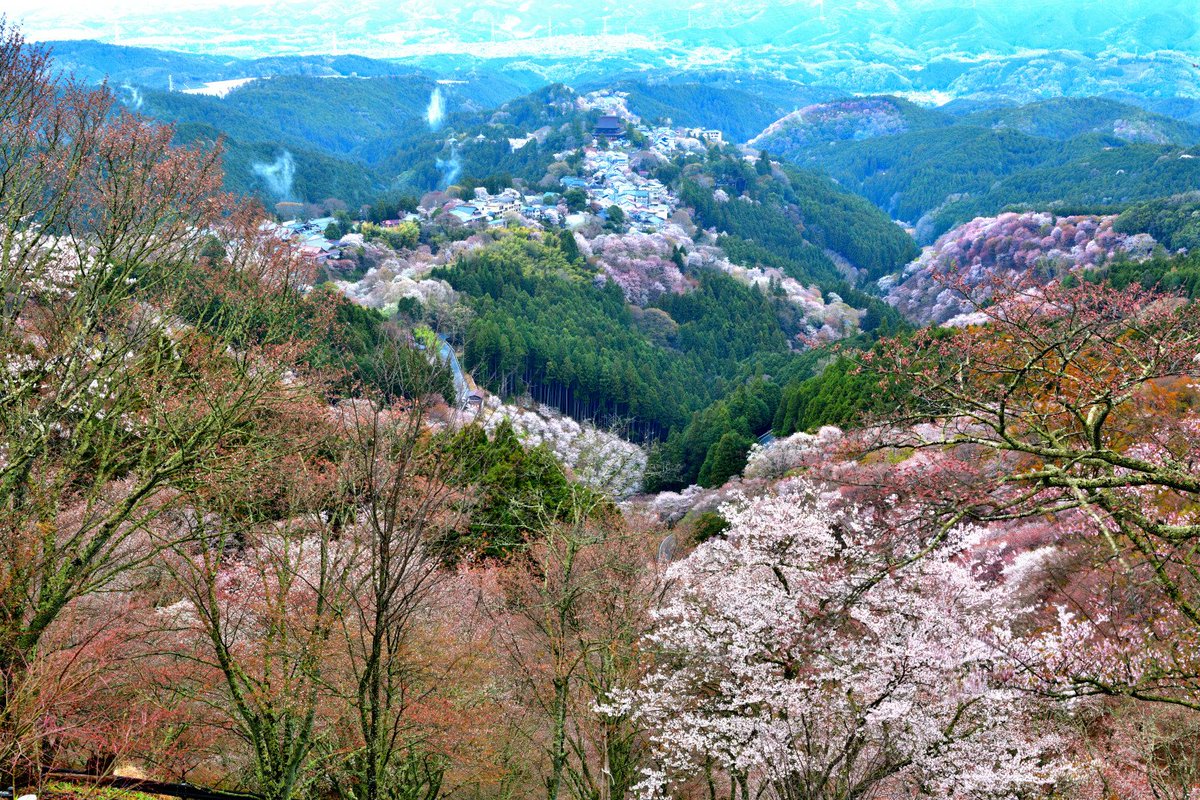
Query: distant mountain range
point(928, 50)
point(919, 30)
point(934, 168)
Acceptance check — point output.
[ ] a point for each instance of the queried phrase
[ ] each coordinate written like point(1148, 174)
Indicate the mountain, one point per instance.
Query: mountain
point(337, 116)
point(1109, 178)
point(935, 169)
point(1066, 117)
point(936, 50)
point(922, 27)
point(151, 68)
point(853, 119)
point(354, 138)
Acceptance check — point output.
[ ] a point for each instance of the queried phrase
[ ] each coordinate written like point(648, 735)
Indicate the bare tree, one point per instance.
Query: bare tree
point(407, 489)
point(569, 614)
point(268, 612)
point(132, 364)
point(1066, 405)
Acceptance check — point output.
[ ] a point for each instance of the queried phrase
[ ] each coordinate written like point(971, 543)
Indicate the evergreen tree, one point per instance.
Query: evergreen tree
point(725, 459)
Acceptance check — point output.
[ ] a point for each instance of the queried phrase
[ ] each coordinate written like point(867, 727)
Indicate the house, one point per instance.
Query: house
point(281, 232)
point(319, 254)
point(466, 214)
point(706, 135)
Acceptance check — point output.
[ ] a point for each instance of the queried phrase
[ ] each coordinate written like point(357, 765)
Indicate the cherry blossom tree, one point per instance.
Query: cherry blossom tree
point(1075, 405)
point(795, 662)
point(777, 459)
point(601, 459)
point(1036, 245)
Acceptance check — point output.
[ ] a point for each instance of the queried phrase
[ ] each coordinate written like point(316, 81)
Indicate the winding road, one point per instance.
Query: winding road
point(460, 380)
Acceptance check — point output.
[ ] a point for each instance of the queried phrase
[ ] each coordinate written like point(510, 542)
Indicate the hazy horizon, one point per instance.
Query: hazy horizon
point(552, 28)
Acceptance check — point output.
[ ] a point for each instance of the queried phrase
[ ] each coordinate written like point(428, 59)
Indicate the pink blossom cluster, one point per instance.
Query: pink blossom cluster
point(383, 287)
point(783, 456)
point(392, 276)
point(670, 508)
point(1034, 245)
point(640, 263)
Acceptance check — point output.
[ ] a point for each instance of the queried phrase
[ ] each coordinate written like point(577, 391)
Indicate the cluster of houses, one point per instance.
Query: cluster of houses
point(309, 235)
point(668, 142)
point(706, 135)
point(612, 181)
point(495, 209)
point(611, 175)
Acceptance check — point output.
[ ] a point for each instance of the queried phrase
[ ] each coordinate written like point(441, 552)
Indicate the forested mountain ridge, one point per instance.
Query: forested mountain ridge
point(929, 166)
point(944, 170)
point(1065, 118)
point(159, 69)
point(845, 119)
point(355, 139)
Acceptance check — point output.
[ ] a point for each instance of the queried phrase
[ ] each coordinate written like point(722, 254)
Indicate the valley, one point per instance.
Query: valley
point(797, 401)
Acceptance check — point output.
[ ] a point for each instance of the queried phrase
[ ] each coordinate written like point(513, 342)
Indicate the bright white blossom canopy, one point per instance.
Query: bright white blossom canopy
point(794, 656)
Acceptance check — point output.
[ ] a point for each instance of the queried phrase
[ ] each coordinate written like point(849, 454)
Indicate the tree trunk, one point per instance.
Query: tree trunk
point(558, 747)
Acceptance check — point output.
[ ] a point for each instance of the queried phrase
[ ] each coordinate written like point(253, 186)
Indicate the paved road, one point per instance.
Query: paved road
point(460, 380)
point(667, 549)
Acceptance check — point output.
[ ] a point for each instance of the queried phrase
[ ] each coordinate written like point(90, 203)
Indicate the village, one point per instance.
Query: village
point(615, 173)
